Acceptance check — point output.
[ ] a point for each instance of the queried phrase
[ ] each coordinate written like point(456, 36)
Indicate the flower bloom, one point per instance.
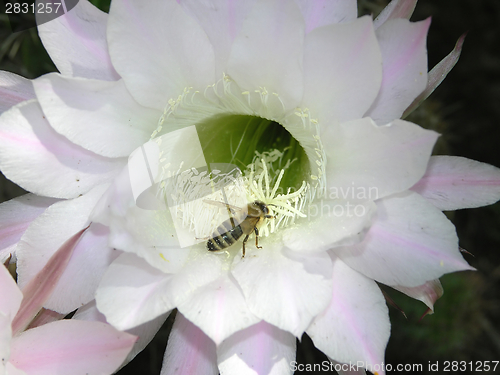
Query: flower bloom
point(304, 99)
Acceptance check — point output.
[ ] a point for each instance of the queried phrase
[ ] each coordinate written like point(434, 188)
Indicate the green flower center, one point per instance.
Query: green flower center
point(238, 139)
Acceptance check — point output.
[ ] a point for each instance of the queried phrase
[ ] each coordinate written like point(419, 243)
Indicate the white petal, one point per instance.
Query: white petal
point(90, 258)
point(285, 288)
point(5, 336)
point(268, 51)
point(11, 296)
point(376, 161)
point(15, 216)
point(218, 309)
point(189, 351)
point(409, 243)
point(350, 369)
point(342, 69)
point(132, 292)
point(11, 370)
point(452, 183)
point(14, 89)
point(355, 326)
point(38, 159)
point(100, 116)
point(259, 349)
point(437, 75)
point(158, 35)
point(428, 293)
point(116, 200)
point(76, 42)
point(404, 56)
point(323, 13)
point(146, 233)
point(221, 21)
point(330, 223)
point(150, 235)
point(395, 9)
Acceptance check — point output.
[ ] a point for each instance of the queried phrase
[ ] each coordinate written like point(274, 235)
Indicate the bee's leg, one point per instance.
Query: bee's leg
point(257, 239)
point(244, 241)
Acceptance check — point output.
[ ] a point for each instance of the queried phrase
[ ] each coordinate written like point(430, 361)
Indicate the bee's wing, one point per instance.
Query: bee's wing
point(234, 209)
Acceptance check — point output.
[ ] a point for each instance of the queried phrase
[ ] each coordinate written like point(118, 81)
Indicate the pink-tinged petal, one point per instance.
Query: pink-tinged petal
point(330, 223)
point(40, 287)
point(428, 293)
point(15, 216)
point(132, 292)
point(410, 243)
point(376, 161)
point(189, 351)
point(158, 35)
point(71, 347)
point(453, 182)
point(144, 333)
point(342, 84)
point(320, 13)
point(437, 75)
point(38, 159)
point(45, 316)
point(100, 116)
point(14, 89)
point(90, 260)
point(284, 288)
point(355, 326)
point(91, 256)
point(218, 309)
point(221, 21)
point(268, 51)
point(11, 295)
point(259, 349)
point(77, 44)
point(404, 56)
point(395, 9)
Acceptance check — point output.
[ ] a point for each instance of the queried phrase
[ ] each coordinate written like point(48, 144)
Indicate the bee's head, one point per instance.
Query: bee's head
point(261, 206)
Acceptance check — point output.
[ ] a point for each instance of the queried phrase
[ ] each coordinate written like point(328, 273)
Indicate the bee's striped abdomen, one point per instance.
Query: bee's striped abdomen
point(224, 236)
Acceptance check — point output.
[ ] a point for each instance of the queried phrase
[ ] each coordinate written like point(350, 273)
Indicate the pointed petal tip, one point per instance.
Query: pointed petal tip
point(437, 75)
point(40, 287)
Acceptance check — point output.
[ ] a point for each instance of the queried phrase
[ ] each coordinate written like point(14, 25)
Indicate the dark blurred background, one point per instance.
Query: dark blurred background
point(465, 109)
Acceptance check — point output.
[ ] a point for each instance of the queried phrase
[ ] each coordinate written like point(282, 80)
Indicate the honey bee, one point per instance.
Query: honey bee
point(229, 231)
